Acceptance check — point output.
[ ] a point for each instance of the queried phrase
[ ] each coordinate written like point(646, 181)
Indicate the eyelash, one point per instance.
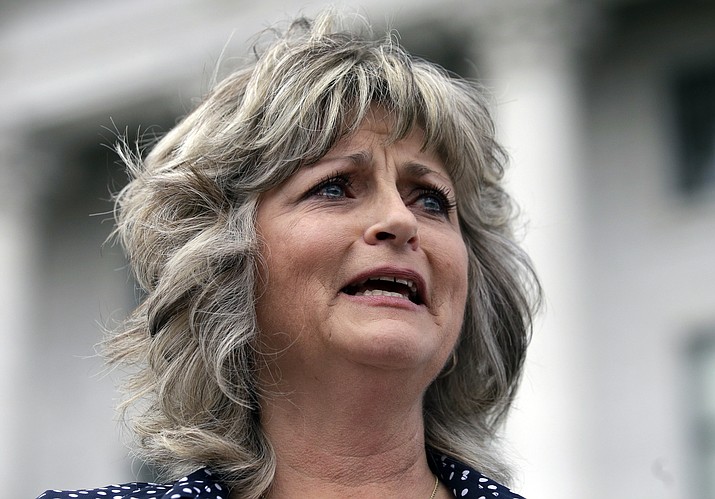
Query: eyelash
point(340, 179)
point(444, 194)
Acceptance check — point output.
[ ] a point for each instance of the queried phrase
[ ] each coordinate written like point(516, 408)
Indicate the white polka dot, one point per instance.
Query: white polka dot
point(465, 492)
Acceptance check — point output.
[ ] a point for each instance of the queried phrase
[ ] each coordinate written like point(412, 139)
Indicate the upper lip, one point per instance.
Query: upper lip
point(395, 272)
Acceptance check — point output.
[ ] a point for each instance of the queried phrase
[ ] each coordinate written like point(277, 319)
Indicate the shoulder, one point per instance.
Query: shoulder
point(465, 482)
point(201, 484)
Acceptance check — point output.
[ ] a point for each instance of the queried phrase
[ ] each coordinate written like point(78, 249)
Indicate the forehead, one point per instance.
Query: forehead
point(375, 133)
point(378, 121)
point(369, 149)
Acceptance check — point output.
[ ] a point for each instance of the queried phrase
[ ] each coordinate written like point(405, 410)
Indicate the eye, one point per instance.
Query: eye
point(432, 203)
point(332, 187)
point(436, 200)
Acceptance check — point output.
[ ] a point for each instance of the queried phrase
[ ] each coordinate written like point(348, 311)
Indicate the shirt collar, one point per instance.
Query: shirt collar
point(465, 482)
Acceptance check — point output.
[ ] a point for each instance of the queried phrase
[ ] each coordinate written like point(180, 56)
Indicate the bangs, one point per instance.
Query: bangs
point(321, 93)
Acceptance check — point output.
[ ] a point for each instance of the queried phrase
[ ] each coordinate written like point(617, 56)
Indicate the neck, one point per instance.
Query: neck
point(361, 439)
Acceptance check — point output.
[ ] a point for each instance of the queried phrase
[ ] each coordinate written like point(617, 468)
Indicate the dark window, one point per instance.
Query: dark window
point(701, 356)
point(695, 113)
point(445, 44)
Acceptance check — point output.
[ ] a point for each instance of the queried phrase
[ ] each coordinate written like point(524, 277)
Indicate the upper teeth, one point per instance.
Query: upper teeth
point(410, 284)
point(379, 292)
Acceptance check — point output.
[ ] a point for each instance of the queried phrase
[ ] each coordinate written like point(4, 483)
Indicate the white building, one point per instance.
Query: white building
point(608, 109)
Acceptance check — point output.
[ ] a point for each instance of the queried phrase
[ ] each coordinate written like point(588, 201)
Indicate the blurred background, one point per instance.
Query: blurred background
point(607, 108)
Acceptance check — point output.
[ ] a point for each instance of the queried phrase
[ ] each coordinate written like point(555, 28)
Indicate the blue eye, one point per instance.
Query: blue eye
point(435, 200)
point(333, 187)
point(331, 191)
point(432, 203)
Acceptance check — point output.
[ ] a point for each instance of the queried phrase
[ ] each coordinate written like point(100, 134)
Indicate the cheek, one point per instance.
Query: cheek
point(277, 290)
point(460, 265)
point(299, 262)
point(283, 251)
point(302, 254)
point(459, 271)
point(273, 268)
point(452, 272)
point(461, 285)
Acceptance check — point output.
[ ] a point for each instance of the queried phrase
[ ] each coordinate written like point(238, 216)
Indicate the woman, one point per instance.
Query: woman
point(334, 304)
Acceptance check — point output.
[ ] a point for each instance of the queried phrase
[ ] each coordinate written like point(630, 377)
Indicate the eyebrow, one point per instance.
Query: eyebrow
point(361, 158)
point(418, 170)
point(413, 169)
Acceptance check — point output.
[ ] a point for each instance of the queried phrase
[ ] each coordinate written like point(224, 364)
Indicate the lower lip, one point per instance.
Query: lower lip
point(384, 301)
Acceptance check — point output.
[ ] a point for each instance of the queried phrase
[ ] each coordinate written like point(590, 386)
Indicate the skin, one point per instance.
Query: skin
point(344, 375)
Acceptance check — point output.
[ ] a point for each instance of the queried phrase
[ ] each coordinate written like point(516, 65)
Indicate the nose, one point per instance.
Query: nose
point(392, 223)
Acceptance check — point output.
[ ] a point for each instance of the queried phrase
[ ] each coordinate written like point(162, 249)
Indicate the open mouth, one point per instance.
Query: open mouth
point(385, 286)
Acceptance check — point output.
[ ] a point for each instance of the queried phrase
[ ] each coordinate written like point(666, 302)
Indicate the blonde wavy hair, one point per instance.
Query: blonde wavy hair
point(187, 223)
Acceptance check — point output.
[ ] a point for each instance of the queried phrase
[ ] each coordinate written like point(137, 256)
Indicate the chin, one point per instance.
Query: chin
point(395, 348)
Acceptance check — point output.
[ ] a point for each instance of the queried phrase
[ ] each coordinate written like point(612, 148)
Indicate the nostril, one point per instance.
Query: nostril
point(383, 236)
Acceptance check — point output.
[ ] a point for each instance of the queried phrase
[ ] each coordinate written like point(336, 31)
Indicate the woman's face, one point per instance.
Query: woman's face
point(364, 260)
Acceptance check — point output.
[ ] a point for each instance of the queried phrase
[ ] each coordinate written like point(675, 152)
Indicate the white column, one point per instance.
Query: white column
point(527, 51)
point(17, 276)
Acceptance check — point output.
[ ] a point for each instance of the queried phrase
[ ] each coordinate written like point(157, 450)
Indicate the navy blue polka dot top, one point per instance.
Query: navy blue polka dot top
point(459, 478)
